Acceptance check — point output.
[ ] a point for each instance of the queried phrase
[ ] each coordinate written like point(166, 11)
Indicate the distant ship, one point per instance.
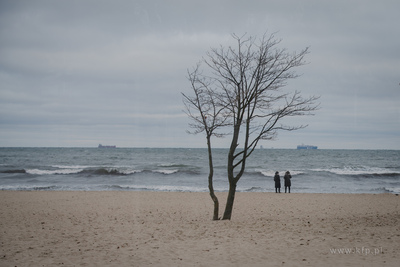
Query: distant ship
point(101, 146)
point(306, 147)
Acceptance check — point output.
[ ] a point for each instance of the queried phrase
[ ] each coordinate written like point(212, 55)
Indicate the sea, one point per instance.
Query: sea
point(186, 170)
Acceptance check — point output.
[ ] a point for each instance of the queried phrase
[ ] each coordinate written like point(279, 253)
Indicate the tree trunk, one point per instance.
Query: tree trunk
point(216, 205)
point(210, 180)
point(229, 201)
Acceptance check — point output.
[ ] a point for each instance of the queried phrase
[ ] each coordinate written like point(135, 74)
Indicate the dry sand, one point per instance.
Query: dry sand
point(175, 229)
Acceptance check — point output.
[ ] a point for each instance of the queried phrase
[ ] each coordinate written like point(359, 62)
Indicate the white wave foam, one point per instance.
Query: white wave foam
point(50, 172)
point(177, 188)
point(166, 171)
point(164, 188)
point(357, 170)
point(167, 164)
point(127, 172)
point(395, 190)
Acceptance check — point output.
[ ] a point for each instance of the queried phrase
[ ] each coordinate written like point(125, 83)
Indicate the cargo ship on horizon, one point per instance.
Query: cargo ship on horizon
point(101, 146)
point(306, 147)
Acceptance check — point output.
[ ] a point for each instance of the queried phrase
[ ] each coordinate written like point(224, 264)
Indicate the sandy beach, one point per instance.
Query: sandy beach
point(120, 228)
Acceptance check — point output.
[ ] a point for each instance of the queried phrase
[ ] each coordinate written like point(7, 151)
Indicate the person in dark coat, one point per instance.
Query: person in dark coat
point(287, 178)
point(277, 180)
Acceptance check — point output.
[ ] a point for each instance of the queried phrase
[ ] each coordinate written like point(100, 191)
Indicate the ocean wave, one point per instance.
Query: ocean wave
point(360, 171)
point(379, 190)
point(165, 171)
point(161, 188)
point(374, 175)
point(30, 188)
point(174, 165)
point(100, 171)
point(110, 171)
point(40, 188)
point(50, 172)
point(253, 189)
point(129, 172)
point(169, 188)
point(72, 166)
point(107, 172)
point(14, 171)
point(395, 190)
point(118, 187)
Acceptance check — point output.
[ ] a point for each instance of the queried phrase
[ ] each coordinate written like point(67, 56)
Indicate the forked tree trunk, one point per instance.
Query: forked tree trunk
point(231, 178)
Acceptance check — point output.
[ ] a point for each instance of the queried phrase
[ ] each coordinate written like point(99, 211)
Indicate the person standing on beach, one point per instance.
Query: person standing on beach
point(287, 178)
point(277, 180)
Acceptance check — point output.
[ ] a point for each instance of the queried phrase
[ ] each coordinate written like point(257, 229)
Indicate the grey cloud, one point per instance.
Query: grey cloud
point(104, 70)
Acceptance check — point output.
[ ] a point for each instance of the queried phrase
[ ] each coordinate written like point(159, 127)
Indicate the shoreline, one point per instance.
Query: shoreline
point(140, 228)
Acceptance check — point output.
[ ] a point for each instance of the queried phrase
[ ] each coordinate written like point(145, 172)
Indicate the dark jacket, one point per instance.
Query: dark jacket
point(277, 180)
point(287, 178)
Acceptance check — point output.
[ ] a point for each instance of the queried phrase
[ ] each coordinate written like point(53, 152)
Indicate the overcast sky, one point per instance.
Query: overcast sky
point(80, 73)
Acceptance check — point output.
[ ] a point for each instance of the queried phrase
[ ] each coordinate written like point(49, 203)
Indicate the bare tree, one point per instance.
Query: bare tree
point(245, 84)
point(208, 115)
